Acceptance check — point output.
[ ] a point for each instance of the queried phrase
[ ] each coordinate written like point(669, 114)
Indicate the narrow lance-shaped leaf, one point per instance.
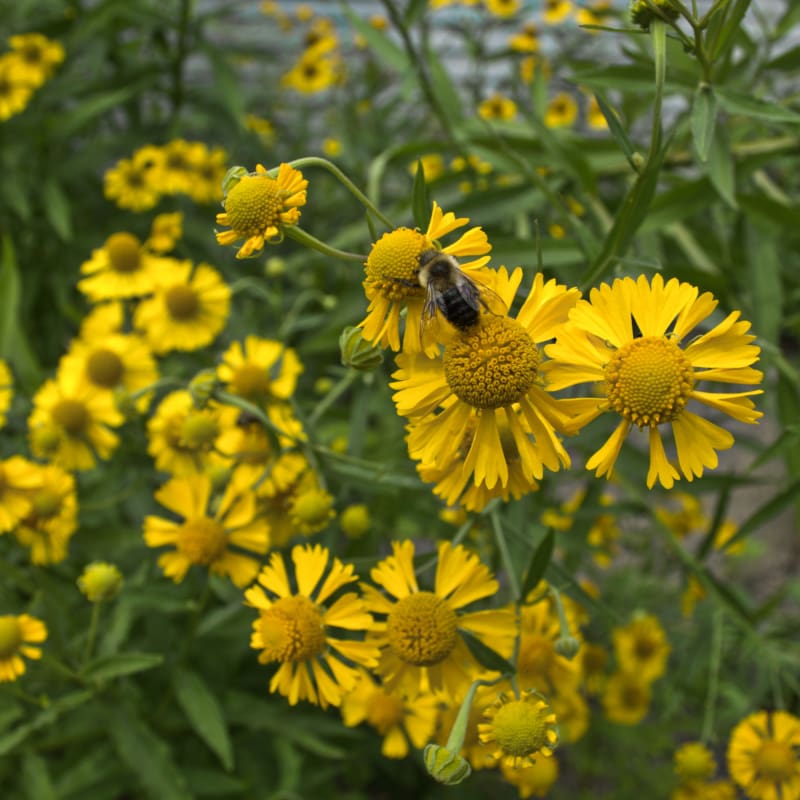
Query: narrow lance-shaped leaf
point(420, 203)
point(485, 656)
point(539, 562)
point(704, 119)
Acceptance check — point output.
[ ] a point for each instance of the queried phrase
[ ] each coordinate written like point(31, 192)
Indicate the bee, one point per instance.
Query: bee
point(451, 291)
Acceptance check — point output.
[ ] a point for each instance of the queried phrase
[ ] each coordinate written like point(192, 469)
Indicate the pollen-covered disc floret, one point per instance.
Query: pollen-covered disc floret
point(392, 266)
point(493, 364)
point(522, 728)
point(422, 629)
point(259, 205)
point(291, 630)
point(649, 381)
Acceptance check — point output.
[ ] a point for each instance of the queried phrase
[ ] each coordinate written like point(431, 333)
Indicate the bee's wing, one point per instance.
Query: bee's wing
point(431, 304)
point(469, 290)
point(491, 301)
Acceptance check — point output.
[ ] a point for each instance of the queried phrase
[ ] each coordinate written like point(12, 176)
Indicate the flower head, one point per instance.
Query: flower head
point(764, 755)
point(37, 55)
point(100, 581)
point(18, 478)
point(15, 90)
point(6, 390)
point(20, 635)
point(392, 276)
point(556, 11)
point(561, 112)
point(627, 338)
point(641, 647)
point(694, 761)
point(534, 780)
point(497, 107)
point(130, 183)
point(626, 698)
point(521, 727)
point(503, 8)
point(310, 627)
point(223, 534)
point(419, 631)
point(259, 205)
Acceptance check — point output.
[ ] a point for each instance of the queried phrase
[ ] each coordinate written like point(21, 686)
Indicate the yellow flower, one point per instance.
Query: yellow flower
point(392, 277)
point(332, 147)
point(120, 269)
point(20, 635)
point(595, 14)
point(75, 419)
point(354, 521)
point(648, 378)
point(317, 641)
point(116, 361)
point(103, 319)
point(166, 230)
point(223, 534)
point(480, 417)
point(418, 631)
point(15, 91)
point(594, 659)
point(556, 11)
point(626, 698)
point(18, 477)
point(263, 128)
point(314, 72)
point(311, 510)
point(397, 718)
point(189, 307)
point(595, 118)
point(764, 755)
point(527, 41)
point(641, 648)
point(259, 205)
point(6, 390)
point(498, 107)
point(37, 55)
point(432, 165)
point(534, 780)
point(694, 761)
point(687, 518)
point(130, 182)
point(100, 581)
point(260, 370)
point(521, 726)
point(207, 168)
point(573, 714)
point(52, 517)
point(503, 8)
point(562, 111)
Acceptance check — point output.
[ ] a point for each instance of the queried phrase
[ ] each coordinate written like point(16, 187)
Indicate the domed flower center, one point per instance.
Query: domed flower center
point(312, 507)
point(521, 727)
point(46, 503)
point(645, 647)
point(198, 431)
point(775, 761)
point(384, 711)
point(493, 364)
point(105, 368)
point(250, 381)
point(10, 636)
point(648, 381)
point(694, 762)
point(254, 204)
point(202, 540)
point(182, 302)
point(633, 696)
point(291, 630)
point(422, 629)
point(393, 264)
point(124, 252)
point(71, 415)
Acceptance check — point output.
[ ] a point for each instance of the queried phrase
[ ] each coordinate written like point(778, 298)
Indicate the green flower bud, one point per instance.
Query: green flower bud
point(232, 177)
point(202, 387)
point(357, 352)
point(642, 13)
point(567, 646)
point(100, 581)
point(446, 767)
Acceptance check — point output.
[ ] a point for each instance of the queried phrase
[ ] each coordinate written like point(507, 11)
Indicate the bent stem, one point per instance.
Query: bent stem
point(305, 238)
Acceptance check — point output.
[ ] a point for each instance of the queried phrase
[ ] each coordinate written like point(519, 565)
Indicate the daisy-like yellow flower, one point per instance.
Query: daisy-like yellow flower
point(497, 107)
point(535, 780)
point(355, 521)
point(310, 510)
point(502, 8)
point(70, 423)
point(597, 13)
point(556, 11)
point(15, 91)
point(38, 56)
point(432, 164)
point(522, 727)
point(626, 698)
point(641, 648)
point(52, 518)
point(208, 167)
point(260, 370)
point(6, 390)
point(18, 478)
point(20, 635)
point(562, 111)
point(117, 361)
point(130, 182)
point(648, 378)
point(573, 714)
point(189, 307)
point(397, 718)
point(259, 205)
point(100, 581)
point(419, 631)
point(223, 534)
point(595, 118)
point(314, 72)
point(181, 437)
point(121, 268)
point(315, 633)
point(694, 761)
point(165, 231)
point(684, 514)
point(480, 415)
point(392, 276)
point(101, 320)
point(594, 660)
point(527, 41)
point(705, 790)
point(764, 755)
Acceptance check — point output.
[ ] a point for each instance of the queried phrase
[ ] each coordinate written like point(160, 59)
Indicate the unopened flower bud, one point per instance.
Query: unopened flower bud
point(232, 177)
point(567, 646)
point(357, 352)
point(202, 386)
point(643, 14)
point(446, 767)
point(100, 581)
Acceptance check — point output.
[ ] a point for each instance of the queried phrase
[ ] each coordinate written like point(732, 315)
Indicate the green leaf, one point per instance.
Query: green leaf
point(721, 167)
point(9, 297)
point(789, 20)
point(443, 88)
point(735, 103)
point(764, 267)
point(704, 119)
point(790, 60)
point(88, 108)
point(615, 126)
point(416, 9)
point(204, 713)
point(146, 755)
point(485, 656)
point(384, 48)
point(769, 214)
point(113, 666)
point(57, 209)
point(36, 778)
point(725, 26)
point(209, 783)
point(539, 562)
point(420, 202)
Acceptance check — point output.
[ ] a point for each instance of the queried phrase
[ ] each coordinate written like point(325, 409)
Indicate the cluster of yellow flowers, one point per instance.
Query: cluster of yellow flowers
point(178, 167)
point(29, 63)
point(320, 65)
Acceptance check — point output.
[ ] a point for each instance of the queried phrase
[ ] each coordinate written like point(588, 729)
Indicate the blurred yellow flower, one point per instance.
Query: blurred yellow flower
point(556, 11)
point(15, 91)
point(503, 8)
point(527, 41)
point(641, 647)
point(100, 581)
point(626, 698)
point(498, 107)
point(562, 111)
point(6, 390)
point(20, 635)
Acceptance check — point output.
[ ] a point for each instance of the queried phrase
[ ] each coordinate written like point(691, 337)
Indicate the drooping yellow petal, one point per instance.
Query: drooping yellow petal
point(660, 468)
point(604, 459)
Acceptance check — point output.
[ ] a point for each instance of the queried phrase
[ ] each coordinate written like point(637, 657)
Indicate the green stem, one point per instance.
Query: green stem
point(505, 555)
point(306, 239)
point(658, 31)
point(92, 635)
point(713, 675)
point(345, 382)
point(316, 161)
